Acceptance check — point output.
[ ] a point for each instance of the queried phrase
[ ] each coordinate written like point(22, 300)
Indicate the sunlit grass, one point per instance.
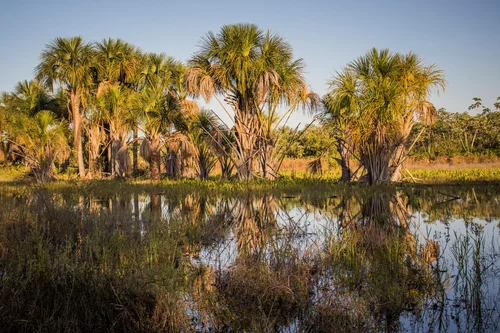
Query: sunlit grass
point(455, 175)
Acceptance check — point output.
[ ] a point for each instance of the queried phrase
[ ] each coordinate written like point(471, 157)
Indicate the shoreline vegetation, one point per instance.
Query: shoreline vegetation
point(415, 175)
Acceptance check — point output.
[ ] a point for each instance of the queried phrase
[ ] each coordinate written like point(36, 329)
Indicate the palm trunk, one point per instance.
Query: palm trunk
point(269, 165)
point(93, 168)
point(77, 132)
point(173, 165)
point(135, 150)
point(123, 159)
point(79, 151)
point(93, 147)
point(3, 151)
point(44, 170)
point(246, 136)
point(154, 165)
point(344, 161)
point(107, 160)
point(398, 164)
point(115, 163)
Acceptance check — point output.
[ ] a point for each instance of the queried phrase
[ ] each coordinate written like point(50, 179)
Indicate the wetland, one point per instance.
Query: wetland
point(301, 259)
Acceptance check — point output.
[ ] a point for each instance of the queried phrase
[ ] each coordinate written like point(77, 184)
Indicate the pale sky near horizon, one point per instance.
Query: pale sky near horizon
point(460, 37)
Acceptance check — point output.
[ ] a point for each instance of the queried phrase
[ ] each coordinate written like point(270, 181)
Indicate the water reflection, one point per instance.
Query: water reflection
point(422, 259)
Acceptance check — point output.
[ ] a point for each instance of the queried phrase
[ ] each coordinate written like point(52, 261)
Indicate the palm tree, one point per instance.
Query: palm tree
point(115, 104)
point(161, 107)
point(40, 140)
point(242, 65)
point(117, 64)
point(181, 146)
point(202, 134)
point(30, 97)
point(338, 104)
point(381, 95)
point(211, 133)
point(27, 99)
point(68, 62)
point(116, 61)
point(160, 115)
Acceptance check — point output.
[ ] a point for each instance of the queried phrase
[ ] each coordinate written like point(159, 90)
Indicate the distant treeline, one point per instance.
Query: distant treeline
point(453, 134)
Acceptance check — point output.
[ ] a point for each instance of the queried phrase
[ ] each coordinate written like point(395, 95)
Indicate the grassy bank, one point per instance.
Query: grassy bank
point(291, 181)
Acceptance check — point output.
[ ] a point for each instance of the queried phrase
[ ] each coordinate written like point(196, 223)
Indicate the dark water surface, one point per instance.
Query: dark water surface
point(423, 259)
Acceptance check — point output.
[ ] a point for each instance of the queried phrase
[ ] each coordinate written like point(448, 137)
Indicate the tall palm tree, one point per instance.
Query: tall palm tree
point(161, 114)
point(181, 145)
point(241, 64)
point(115, 117)
point(68, 62)
point(161, 107)
point(381, 95)
point(117, 64)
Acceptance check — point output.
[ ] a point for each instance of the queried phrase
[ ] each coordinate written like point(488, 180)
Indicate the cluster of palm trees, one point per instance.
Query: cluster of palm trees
point(373, 103)
point(111, 97)
point(108, 92)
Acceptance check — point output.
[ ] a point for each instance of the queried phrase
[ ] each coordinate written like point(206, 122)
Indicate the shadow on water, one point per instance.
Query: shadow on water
point(415, 259)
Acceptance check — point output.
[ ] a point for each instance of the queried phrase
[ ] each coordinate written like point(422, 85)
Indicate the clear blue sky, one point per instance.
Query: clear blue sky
point(460, 37)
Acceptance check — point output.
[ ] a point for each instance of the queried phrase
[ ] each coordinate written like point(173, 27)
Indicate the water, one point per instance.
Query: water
point(422, 259)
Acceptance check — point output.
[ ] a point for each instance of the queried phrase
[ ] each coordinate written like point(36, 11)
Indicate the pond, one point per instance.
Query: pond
point(407, 259)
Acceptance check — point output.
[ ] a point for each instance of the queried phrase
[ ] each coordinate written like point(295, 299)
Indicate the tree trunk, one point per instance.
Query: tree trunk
point(135, 150)
point(77, 132)
point(93, 169)
point(269, 165)
point(154, 165)
point(398, 164)
point(246, 127)
point(115, 163)
point(344, 161)
point(3, 150)
point(107, 160)
point(173, 165)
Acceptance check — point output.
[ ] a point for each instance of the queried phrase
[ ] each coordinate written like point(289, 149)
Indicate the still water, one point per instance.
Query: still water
point(423, 259)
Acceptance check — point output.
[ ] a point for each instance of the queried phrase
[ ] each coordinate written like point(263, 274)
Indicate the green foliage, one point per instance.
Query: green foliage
point(315, 141)
point(459, 134)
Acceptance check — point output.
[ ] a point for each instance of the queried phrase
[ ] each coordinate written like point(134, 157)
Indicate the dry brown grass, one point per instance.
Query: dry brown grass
point(457, 162)
point(300, 164)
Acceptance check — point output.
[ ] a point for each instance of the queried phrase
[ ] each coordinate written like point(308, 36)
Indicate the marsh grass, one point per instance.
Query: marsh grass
point(455, 176)
point(66, 270)
point(197, 257)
